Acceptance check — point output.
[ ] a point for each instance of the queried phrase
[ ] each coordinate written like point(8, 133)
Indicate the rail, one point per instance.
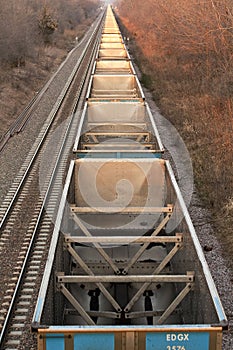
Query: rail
point(91, 46)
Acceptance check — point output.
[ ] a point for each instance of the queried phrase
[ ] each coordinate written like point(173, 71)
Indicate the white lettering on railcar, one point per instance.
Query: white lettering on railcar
point(177, 337)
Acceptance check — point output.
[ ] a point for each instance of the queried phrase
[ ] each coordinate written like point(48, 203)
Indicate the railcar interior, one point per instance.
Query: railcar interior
point(125, 267)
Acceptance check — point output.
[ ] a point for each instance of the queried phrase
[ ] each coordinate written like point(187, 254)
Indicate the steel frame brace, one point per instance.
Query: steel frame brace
point(121, 276)
point(96, 245)
point(124, 240)
point(145, 286)
point(90, 273)
point(119, 210)
point(145, 245)
point(188, 278)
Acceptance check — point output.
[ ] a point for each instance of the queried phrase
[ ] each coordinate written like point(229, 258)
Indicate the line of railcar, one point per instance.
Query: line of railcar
point(125, 268)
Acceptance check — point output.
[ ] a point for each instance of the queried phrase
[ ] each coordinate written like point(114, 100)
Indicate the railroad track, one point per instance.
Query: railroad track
point(23, 212)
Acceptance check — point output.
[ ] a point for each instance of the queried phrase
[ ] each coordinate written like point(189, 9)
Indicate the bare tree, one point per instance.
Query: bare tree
point(23, 22)
point(17, 31)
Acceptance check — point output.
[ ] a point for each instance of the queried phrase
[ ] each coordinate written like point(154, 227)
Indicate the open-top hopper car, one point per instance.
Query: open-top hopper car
point(125, 268)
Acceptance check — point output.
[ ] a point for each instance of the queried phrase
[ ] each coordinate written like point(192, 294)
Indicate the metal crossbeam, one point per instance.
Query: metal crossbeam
point(113, 93)
point(126, 279)
point(127, 210)
point(118, 144)
point(135, 125)
point(115, 98)
point(119, 150)
point(124, 239)
point(129, 133)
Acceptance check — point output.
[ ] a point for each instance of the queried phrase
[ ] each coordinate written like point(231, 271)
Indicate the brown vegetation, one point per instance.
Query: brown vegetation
point(185, 51)
point(25, 25)
point(34, 38)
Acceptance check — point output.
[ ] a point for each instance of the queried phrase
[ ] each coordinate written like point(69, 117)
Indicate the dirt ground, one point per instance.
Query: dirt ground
point(20, 84)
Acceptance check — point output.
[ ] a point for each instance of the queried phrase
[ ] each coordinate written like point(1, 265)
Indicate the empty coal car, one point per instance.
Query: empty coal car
point(125, 268)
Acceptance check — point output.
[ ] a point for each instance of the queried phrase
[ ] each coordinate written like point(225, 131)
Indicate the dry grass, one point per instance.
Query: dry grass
point(19, 85)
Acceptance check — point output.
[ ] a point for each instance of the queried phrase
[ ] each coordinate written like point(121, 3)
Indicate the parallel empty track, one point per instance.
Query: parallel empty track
point(23, 213)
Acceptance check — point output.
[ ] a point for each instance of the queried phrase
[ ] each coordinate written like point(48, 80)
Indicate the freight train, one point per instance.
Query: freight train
point(125, 267)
